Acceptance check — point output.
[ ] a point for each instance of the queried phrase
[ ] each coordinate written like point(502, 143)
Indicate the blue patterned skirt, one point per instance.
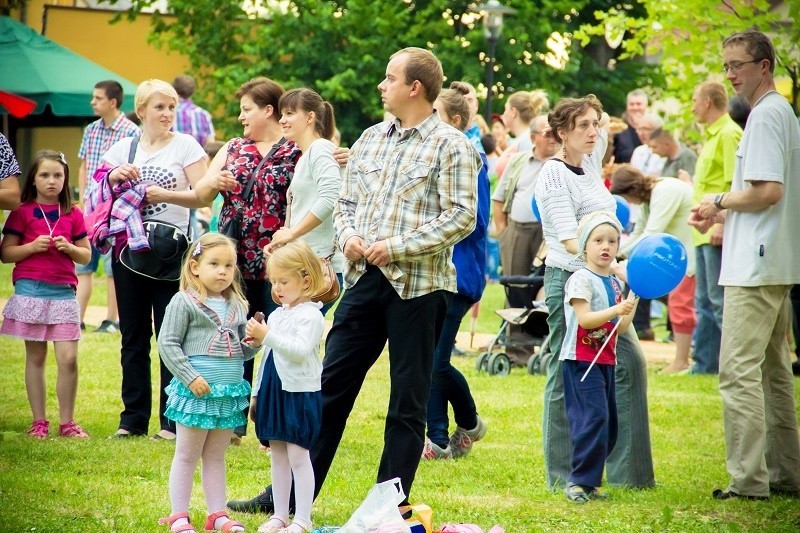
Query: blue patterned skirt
point(293, 417)
point(222, 407)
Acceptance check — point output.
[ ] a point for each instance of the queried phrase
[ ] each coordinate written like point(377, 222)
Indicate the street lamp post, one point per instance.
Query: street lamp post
point(492, 13)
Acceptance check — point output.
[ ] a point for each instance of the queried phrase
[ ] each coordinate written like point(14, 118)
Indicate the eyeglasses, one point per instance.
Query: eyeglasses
point(736, 66)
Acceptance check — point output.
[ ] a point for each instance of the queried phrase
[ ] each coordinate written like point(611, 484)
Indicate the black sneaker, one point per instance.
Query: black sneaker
point(260, 504)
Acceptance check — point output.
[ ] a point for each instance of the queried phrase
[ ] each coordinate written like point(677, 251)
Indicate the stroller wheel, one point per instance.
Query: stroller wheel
point(534, 364)
point(499, 364)
point(482, 362)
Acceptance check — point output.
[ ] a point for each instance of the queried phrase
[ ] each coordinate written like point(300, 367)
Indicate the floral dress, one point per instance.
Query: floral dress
point(264, 211)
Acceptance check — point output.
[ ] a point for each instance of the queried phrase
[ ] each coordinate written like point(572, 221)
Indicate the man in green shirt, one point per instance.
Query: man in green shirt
point(713, 174)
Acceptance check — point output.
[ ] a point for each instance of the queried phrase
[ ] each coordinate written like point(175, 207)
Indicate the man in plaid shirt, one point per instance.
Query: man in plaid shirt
point(409, 194)
point(189, 117)
point(99, 136)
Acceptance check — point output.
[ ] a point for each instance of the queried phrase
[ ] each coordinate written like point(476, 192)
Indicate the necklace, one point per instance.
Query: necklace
point(50, 228)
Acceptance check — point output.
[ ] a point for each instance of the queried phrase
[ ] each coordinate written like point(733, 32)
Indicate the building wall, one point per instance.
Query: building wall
point(121, 47)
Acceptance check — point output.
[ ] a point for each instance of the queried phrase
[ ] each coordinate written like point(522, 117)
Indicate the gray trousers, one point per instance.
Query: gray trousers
point(630, 463)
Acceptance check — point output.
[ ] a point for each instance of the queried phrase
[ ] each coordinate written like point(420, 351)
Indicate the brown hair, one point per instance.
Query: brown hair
point(454, 103)
point(184, 85)
point(567, 111)
point(263, 92)
point(662, 134)
point(528, 104)
point(715, 92)
point(755, 43)
point(311, 102)
point(628, 180)
point(424, 67)
point(29, 182)
point(113, 90)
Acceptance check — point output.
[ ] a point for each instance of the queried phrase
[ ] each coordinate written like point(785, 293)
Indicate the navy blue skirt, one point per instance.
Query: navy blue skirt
point(293, 417)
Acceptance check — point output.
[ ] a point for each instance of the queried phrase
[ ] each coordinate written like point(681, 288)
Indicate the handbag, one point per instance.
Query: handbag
point(164, 259)
point(168, 244)
point(330, 285)
point(233, 228)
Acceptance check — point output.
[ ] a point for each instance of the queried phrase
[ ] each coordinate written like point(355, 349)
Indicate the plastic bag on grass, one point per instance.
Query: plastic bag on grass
point(378, 513)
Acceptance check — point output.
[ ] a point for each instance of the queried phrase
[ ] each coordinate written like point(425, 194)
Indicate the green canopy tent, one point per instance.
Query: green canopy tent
point(33, 66)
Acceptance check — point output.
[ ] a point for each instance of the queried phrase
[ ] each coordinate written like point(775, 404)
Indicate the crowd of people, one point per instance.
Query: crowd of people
point(403, 217)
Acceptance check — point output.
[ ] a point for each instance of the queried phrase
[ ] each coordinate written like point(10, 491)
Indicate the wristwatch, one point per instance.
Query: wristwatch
point(718, 201)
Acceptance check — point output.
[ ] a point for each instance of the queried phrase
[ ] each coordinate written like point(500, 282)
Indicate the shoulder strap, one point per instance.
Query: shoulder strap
point(134, 144)
point(251, 181)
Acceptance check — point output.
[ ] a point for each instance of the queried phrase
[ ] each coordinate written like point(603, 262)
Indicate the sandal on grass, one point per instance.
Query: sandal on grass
point(273, 525)
point(296, 527)
point(231, 526)
point(576, 494)
point(595, 494)
point(183, 528)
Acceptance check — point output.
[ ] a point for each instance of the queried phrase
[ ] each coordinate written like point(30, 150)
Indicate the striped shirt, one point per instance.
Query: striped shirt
point(565, 195)
point(194, 120)
point(416, 188)
point(97, 139)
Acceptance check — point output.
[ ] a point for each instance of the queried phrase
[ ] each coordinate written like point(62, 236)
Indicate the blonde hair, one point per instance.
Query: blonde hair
point(298, 257)
point(528, 104)
point(146, 90)
point(196, 251)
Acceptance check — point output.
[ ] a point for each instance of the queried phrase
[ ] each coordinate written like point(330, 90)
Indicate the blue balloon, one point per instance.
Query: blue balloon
point(535, 208)
point(623, 211)
point(656, 265)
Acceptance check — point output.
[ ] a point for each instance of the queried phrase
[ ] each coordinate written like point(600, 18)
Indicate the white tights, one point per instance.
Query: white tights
point(290, 460)
point(191, 445)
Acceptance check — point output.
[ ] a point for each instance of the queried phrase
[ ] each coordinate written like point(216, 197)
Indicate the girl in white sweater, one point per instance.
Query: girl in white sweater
point(287, 399)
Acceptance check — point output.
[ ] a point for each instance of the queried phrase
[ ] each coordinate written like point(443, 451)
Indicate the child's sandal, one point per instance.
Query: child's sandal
point(231, 526)
point(576, 494)
point(278, 524)
point(183, 528)
point(296, 527)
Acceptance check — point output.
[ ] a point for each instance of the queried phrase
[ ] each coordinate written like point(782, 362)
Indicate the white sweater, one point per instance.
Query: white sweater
point(293, 341)
point(565, 197)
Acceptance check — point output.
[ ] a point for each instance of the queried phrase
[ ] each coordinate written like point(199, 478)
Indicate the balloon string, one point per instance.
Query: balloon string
point(608, 338)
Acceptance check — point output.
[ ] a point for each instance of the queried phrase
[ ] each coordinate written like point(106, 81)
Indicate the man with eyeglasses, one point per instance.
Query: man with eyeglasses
point(760, 263)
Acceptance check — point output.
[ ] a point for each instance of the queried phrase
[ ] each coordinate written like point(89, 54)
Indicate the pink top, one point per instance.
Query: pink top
point(52, 266)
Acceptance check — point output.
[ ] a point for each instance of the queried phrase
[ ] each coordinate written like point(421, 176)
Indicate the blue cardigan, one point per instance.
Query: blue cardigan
point(469, 255)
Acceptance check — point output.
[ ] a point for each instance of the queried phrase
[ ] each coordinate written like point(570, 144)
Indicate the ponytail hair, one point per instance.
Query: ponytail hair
point(310, 101)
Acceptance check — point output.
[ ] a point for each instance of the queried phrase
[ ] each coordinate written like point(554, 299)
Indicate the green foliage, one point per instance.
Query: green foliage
point(687, 39)
point(341, 47)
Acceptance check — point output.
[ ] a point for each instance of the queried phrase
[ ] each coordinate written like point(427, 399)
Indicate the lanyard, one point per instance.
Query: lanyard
point(52, 228)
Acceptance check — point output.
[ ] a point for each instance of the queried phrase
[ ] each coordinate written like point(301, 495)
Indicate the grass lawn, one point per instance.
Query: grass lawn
point(63, 485)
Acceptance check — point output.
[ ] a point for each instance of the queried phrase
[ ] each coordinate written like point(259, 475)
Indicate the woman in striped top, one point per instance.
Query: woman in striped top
point(569, 188)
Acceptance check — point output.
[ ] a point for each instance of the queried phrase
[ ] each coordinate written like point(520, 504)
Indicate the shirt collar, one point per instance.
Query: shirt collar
point(717, 125)
point(424, 128)
point(117, 124)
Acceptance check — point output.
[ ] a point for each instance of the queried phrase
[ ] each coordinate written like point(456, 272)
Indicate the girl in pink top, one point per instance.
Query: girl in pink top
point(45, 237)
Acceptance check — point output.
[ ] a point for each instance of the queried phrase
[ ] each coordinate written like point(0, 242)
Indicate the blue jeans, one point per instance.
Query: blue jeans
point(449, 385)
point(708, 300)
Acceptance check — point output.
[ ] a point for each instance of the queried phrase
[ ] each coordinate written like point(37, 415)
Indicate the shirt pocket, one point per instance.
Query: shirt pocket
point(367, 172)
point(413, 180)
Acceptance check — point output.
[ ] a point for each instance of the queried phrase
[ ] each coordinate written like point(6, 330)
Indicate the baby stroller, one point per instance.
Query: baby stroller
point(525, 311)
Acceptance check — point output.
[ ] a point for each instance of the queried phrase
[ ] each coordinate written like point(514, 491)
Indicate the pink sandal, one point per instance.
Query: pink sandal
point(183, 528)
point(226, 527)
point(39, 429)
